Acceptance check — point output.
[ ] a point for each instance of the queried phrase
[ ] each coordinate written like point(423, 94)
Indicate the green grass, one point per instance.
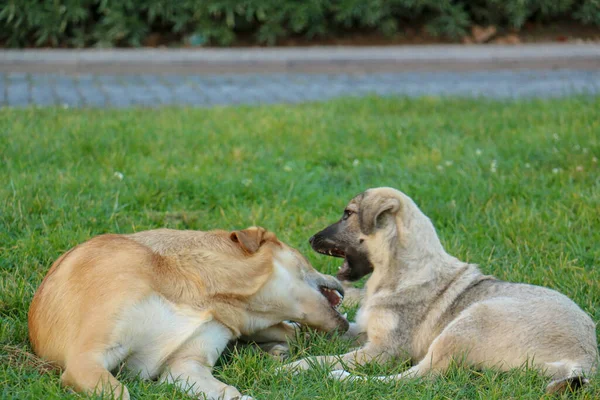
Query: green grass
point(512, 186)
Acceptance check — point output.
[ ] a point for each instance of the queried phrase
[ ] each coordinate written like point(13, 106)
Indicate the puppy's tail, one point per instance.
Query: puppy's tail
point(572, 377)
point(566, 384)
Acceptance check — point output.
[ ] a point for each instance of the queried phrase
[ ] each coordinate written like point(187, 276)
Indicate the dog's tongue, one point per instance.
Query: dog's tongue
point(343, 273)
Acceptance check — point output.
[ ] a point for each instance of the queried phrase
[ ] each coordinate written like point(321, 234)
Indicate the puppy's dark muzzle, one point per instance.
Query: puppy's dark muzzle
point(325, 246)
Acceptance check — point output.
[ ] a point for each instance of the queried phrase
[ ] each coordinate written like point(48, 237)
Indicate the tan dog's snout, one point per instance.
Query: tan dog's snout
point(317, 299)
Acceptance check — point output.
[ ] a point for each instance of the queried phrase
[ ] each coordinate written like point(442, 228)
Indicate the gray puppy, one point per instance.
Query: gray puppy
point(423, 302)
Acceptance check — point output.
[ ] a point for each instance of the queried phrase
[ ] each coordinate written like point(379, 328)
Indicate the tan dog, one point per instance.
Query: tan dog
point(424, 303)
point(167, 303)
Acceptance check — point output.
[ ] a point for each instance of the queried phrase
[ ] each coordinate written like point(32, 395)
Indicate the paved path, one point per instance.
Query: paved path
point(151, 90)
point(207, 77)
point(331, 59)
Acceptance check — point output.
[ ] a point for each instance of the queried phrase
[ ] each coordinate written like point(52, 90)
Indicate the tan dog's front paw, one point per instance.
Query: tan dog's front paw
point(280, 351)
point(228, 393)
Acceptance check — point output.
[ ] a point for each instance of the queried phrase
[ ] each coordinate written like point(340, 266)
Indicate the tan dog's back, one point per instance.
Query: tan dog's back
point(108, 261)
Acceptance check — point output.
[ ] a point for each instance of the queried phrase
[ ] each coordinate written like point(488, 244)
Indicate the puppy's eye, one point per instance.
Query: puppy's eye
point(347, 214)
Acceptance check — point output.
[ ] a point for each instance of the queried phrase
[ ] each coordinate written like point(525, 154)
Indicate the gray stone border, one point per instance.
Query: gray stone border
point(334, 59)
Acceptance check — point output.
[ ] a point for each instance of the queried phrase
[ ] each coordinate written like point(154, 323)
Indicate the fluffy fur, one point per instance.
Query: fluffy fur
point(425, 303)
point(167, 302)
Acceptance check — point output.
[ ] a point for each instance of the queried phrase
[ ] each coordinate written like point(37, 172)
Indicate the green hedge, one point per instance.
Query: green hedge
point(79, 23)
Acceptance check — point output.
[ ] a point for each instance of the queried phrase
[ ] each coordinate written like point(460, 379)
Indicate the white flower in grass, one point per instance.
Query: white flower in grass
point(527, 165)
point(555, 136)
point(556, 170)
point(494, 166)
point(478, 152)
point(355, 163)
point(287, 168)
point(119, 175)
point(449, 163)
point(246, 182)
point(440, 167)
point(594, 160)
point(579, 168)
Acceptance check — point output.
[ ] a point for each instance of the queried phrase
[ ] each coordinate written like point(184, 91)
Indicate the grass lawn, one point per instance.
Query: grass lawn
point(512, 186)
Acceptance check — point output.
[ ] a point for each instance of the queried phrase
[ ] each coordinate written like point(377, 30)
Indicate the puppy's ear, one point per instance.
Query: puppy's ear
point(373, 209)
point(250, 239)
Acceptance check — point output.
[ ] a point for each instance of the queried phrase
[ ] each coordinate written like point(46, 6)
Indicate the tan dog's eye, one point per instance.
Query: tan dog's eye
point(347, 214)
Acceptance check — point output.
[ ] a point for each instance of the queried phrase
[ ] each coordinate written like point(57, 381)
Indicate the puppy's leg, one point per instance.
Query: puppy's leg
point(85, 373)
point(352, 296)
point(194, 378)
point(386, 339)
point(436, 360)
point(356, 333)
point(365, 354)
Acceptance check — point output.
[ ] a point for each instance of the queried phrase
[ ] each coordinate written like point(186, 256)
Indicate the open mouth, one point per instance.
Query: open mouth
point(334, 252)
point(333, 296)
point(344, 269)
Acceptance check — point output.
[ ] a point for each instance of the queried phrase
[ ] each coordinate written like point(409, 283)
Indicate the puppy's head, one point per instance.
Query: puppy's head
point(343, 239)
point(294, 290)
point(375, 224)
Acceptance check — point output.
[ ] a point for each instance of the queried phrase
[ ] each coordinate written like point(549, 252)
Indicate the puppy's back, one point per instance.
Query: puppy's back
point(537, 321)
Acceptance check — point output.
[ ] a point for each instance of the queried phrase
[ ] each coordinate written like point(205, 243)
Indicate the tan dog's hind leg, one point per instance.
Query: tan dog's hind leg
point(86, 374)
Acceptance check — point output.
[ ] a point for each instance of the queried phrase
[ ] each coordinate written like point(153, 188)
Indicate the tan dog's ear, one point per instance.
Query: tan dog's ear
point(249, 239)
point(373, 209)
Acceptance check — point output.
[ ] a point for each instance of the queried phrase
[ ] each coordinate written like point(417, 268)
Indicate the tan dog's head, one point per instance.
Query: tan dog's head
point(376, 225)
point(291, 289)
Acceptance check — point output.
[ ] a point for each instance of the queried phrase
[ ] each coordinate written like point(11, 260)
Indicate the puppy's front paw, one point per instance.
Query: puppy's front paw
point(341, 375)
point(294, 367)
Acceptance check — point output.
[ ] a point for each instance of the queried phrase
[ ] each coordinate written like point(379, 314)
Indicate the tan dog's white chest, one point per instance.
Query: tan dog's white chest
point(148, 333)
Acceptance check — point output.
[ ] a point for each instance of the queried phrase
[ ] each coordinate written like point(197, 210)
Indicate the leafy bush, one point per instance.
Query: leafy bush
point(79, 23)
